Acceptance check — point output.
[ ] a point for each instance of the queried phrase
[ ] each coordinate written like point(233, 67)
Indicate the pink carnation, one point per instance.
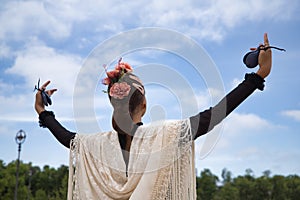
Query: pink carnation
point(124, 66)
point(113, 74)
point(119, 90)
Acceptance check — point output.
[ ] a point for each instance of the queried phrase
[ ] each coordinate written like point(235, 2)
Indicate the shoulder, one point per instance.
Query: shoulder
point(93, 138)
point(170, 126)
point(166, 123)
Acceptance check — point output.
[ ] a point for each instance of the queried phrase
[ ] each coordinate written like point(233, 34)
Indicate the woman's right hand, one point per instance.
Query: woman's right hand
point(39, 105)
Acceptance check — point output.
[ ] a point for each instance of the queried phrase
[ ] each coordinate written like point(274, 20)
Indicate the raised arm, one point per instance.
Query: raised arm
point(208, 119)
point(47, 118)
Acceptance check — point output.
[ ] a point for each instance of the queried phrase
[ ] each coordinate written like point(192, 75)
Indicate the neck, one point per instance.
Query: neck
point(137, 116)
point(136, 119)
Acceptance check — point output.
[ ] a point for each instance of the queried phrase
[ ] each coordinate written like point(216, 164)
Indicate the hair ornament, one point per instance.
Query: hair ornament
point(117, 89)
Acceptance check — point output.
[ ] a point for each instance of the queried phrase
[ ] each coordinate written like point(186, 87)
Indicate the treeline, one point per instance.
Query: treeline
point(34, 183)
point(247, 187)
point(50, 183)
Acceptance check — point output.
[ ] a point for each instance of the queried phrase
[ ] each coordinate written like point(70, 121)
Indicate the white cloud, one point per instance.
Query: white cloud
point(34, 62)
point(294, 114)
point(212, 19)
point(238, 123)
point(208, 19)
point(40, 61)
point(4, 51)
point(17, 108)
point(248, 152)
point(5, 88)
point(23, 19)
point(235, 83)
point(245, 143)
point(235, 126)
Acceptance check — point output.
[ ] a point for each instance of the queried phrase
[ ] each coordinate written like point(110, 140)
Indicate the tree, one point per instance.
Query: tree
point(279, 191)
point(262, 188)
point(249, 174)
point(52, 184)
point(34, 183)
point(226, 176)
point(206, 185)
point(267, 173)
point(8, 181)
point(40, 195)
point(227, 192)
point(293, 186)
point(245, 187)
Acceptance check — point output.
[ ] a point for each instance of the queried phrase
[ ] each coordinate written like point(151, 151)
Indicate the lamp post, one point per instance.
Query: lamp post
point(20, 139)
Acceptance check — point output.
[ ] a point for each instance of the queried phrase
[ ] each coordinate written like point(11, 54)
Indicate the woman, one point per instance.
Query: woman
point(136, 161)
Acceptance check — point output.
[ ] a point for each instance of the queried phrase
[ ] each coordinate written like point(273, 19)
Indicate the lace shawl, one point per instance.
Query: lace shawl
point(161, 164)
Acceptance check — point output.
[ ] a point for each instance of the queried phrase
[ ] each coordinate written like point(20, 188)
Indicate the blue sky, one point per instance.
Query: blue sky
point(55, 39)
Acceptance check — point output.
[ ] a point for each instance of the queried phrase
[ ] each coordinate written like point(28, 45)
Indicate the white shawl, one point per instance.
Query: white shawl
point(161, 164)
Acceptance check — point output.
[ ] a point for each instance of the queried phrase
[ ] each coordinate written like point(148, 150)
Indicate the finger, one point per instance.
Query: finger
point(254, 48)
point(50, 92)
point(266, 40)
point(43, 87)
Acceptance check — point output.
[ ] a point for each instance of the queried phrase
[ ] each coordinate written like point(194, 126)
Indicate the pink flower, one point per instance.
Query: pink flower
point(124, 66)
point(106, 81)
point(119, 90)
point(113, 74)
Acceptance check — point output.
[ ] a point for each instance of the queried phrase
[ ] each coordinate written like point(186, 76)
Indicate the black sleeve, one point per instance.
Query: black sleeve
point(206, 120)
point(47, 120)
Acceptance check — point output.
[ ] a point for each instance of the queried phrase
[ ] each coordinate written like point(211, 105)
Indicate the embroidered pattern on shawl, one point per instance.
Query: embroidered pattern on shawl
point(161, 164)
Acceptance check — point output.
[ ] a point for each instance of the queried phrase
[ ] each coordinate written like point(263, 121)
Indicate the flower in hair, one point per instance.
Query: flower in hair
point(124, 66)
point(115, 75)
point(119, 90)
point(116, 89)
point(106, 81)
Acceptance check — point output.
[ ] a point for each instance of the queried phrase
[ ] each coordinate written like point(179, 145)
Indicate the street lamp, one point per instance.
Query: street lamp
point(20, 139)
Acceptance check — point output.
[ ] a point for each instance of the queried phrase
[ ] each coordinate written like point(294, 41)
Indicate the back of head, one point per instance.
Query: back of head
point(127, 95)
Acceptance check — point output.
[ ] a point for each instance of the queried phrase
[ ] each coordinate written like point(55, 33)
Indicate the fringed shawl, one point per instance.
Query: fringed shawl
point(161, 165)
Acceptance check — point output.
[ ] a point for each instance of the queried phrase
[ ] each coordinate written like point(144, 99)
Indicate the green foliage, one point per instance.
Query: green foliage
point(34, 183)
point(206, 185)
point(51, 184)
point(247, 187)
